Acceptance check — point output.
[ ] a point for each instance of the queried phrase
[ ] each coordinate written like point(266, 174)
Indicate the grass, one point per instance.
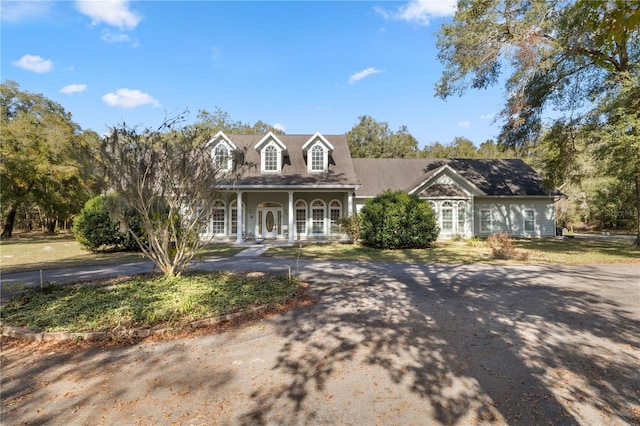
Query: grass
point(552, 251)
point(145, 301)
point(28, 252)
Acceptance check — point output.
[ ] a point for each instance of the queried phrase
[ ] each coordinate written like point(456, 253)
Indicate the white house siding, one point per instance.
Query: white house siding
point(508, 215)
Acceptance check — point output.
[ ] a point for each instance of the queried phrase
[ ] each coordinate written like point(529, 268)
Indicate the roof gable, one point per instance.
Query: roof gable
point(270, 137)
point(446, 175)
point(317, 138)
point(221, 137)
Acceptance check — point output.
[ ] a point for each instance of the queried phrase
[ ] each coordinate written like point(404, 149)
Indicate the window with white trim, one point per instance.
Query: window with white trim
point(317, 217)
point(218, 218)
point(221, 157)
point(270, 159)
point(301, 218)
point(485, 221)
point(529, 220)
point(318, 159)
point(233, 213)
point(446, 215)
point(335, 212)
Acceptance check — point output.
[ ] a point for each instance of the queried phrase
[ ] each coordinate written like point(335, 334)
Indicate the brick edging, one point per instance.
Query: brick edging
point(43, 336)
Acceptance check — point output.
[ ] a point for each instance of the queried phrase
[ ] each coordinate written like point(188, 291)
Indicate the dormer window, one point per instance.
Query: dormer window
point(317, 150)
point(222, 152)
point(271, 151)
point(318, 159)
point(270, 159)
point(221, 157)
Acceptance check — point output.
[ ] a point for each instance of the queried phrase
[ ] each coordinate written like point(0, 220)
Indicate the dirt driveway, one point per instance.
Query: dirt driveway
point(387, 344)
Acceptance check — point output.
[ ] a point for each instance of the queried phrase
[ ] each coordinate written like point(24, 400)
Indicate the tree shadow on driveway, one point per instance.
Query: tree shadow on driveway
point(459, 344)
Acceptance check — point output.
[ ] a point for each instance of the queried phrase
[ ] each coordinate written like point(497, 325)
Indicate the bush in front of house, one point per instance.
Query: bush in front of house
point(397, 220)
point(350, 225)
point(94, 229)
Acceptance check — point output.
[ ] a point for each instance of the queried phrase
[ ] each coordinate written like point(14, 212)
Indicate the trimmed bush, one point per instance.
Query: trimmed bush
point(94, 229)
point(397, 220)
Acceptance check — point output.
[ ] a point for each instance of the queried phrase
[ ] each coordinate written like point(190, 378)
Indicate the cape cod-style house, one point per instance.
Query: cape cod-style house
point(297, 187)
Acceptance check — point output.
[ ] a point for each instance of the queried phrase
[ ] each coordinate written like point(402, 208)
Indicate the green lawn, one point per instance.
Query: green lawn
point(145, 301)
point(558, 251)
point(25, 252)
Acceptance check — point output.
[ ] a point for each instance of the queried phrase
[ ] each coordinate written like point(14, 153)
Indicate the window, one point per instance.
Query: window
point(317, 217)
point(221, 157)
point(485, 221)
point(446, 214)
point(317, 159)
point(462, 216)
point(301, 218)
point(270, 159)
point(529, 221)
point(233, 212)
point(335, 211)
point(433, 207)
point(217, 219)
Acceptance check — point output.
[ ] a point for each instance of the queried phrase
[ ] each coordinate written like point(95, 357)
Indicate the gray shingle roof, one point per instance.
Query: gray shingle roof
point(508, 177)
point(294, 169)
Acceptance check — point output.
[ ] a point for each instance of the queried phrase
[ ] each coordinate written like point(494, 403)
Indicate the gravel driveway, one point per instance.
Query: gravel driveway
point(387, 344)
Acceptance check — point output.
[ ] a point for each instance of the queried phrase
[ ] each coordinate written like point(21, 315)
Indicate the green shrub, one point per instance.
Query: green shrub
point(395, 220)
point(94, 229)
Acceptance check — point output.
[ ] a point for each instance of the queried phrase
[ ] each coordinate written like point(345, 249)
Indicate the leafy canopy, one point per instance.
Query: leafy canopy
point(571, 73)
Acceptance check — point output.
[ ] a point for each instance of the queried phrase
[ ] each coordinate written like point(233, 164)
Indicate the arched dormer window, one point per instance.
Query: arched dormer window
point(270, 159)
point(317, 151)
point(271, 151)
point(221, 157)
point(318, 161)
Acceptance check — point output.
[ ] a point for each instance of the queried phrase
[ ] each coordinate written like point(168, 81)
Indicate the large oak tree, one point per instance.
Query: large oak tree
point(41, 157)
point(570, 66)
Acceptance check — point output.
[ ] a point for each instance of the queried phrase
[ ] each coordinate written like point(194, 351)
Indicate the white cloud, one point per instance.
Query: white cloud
point(21, 10)
point(73, 88)
point(111, 37)
point(279, 127)
point(34, 63)
point(127, 98)
point(362, 74)
point(420, 11)
point(112, 12)
point(488, 116)
point(464, 124)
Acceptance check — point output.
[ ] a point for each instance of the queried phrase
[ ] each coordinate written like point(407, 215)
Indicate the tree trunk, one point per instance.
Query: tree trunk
point(7, 230)
point(51, 226)
point(637, 241)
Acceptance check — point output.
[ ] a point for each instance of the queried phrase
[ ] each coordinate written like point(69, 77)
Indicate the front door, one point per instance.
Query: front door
point(271, 223)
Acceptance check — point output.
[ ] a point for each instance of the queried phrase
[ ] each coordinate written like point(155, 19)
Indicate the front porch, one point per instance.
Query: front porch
point(289, 216)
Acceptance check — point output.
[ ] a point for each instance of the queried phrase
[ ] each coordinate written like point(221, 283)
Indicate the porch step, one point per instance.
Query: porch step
point(253, 251)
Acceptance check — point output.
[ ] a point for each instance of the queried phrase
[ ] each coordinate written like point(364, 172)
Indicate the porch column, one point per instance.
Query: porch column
point(240, 227)
point(350, 204)
point(291, 218)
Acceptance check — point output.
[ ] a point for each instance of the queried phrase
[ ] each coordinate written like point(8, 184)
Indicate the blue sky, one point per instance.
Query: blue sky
point(302, 66)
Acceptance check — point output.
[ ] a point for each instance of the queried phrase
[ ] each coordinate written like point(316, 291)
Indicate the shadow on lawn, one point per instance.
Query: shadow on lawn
point(488, 343)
